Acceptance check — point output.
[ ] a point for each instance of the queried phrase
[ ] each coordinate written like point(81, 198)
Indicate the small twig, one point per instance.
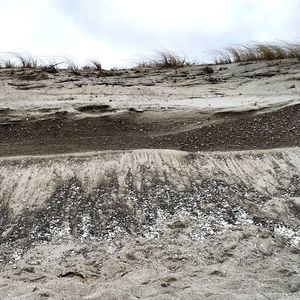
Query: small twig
point(56, 64)
point(266, 296)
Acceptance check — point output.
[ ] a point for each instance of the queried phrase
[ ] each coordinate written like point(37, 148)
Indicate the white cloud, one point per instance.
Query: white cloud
point(41, 29)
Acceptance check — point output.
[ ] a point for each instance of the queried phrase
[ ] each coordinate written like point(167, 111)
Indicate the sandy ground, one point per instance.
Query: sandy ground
point(193, 109)
point(151, 184)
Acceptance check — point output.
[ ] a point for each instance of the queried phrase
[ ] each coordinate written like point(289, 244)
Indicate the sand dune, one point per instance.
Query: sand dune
point(151, 184)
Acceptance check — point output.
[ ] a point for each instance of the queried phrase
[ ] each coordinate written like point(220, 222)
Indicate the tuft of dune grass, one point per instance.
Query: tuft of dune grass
point(93, 65)
point(96, 64)
point(165, 60)
point(24, 60)
point(257, 52)
point(7, 63)
point(71, 65)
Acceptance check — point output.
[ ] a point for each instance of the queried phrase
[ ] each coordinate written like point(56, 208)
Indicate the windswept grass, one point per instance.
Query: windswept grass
point(7, 63)
point(27, 61)
point(24, 60)
point(95, 64)
point(71, 65)
point(165, 60)
point(257, 52)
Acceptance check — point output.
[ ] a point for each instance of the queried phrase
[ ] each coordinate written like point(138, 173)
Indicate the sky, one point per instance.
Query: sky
point(121, 33)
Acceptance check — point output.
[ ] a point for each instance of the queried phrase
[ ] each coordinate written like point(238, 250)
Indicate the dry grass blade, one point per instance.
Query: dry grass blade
point(266, 296)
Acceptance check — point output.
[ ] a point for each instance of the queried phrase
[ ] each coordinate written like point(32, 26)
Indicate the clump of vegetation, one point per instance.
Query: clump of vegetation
point(24, 60)
point(222, 57)
point(71, 65)
point(258, 52)
point(96, 64)
point(170, 60)
point(165, 60)
point(15, 60)
point(7, 63)
point(93, 65)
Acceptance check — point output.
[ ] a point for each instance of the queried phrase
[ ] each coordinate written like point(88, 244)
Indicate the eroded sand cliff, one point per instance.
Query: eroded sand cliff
point(151, 184)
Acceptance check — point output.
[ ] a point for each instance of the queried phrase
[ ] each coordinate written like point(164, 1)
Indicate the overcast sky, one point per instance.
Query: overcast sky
point(121, 32)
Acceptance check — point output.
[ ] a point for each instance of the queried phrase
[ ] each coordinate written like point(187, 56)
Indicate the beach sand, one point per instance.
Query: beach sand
point(151, 183)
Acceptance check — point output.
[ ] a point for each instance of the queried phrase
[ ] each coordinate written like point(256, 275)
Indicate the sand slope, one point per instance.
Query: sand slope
point(151, 183)
point(151, 224)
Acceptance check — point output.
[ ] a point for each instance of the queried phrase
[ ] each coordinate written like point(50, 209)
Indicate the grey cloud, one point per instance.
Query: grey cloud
point(103, 22)
point(245, 20)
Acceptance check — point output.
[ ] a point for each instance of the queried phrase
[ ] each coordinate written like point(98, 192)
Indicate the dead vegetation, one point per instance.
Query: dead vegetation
point(71, 65)
point(25, 60)
point(257, 52)
point(18, 60)
point(94, 64)
point(164, 60)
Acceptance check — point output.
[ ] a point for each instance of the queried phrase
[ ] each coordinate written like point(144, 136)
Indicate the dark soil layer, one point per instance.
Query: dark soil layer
point(64, 134)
